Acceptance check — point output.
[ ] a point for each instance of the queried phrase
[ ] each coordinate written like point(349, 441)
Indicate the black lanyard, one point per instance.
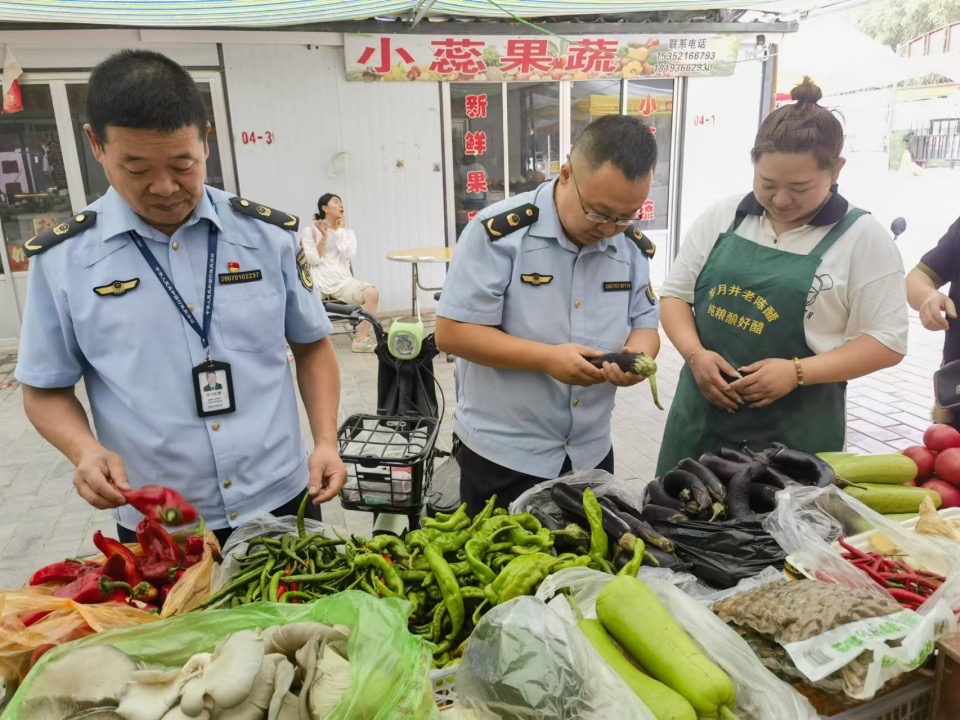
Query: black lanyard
point(167, 284)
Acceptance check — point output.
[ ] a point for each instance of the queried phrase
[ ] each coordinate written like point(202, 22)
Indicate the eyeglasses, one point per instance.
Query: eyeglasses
point(595, 216)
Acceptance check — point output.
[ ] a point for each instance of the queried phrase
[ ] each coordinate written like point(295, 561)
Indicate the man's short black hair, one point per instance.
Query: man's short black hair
point(621, 140)
point(144, 90)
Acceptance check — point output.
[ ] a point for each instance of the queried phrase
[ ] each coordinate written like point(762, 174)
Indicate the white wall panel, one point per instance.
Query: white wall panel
point(84, 49)
point(374, 144)
point(716, 155)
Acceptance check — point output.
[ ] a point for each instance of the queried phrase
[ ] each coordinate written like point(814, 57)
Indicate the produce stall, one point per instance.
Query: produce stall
point(749, 583)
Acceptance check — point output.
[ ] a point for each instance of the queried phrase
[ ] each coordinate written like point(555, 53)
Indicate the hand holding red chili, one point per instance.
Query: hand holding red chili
point(162, 504)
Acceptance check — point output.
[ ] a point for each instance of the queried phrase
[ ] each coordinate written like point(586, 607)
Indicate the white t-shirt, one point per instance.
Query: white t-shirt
point(859, 287)
point(334, 269)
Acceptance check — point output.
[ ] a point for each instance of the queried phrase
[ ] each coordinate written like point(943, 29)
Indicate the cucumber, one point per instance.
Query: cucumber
point(900, 517)
point(633, 615)
point(889, 499)
point(889, 468)
point(663, 702)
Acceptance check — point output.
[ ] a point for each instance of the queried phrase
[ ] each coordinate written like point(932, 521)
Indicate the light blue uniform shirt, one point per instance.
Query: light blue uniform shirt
point(527, 421)
point(135, 352)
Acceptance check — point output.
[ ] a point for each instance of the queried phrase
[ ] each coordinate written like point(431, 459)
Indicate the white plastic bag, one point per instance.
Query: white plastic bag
point(268, 525)
point(524, 661)
point(806, 521)
point(603, 483)
point(760, 694)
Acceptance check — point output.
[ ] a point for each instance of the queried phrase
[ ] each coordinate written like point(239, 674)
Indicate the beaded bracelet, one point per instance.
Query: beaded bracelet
point(796, 362)
point(690, 356)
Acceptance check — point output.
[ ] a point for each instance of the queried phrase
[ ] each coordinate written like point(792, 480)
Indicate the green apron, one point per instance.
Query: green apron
point(750, 302)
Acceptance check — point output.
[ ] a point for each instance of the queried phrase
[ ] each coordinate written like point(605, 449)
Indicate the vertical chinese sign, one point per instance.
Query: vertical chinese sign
point(477, 117)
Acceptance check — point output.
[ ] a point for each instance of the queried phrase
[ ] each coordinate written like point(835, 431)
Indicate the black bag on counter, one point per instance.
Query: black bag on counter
point(724, 553)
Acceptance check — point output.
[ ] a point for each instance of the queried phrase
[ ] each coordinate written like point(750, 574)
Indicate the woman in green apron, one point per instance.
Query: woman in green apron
point(779, 298)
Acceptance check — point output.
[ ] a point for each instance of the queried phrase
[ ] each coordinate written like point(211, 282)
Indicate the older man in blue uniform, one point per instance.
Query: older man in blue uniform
point(541, 283)
point(158, 283)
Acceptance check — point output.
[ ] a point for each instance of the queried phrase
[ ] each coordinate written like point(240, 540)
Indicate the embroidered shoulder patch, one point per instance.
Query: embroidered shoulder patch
point(303, 270)
point(646, 245)
point(63, 231)
point(505, 223)
point(261, 212)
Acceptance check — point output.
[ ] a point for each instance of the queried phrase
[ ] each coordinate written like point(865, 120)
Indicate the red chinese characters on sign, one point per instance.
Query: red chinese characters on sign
point(647, 106)
point(646, 211)
point(471, 215)
point(526, 56)
point(386, 53)
point(476, 106)
point(458, 55)
point(476, 181)
point(593, 56)
point(475, 143)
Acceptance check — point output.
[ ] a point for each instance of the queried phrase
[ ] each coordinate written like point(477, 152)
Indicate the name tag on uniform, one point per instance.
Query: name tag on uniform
point(617, 286)
point(213, 388)
point(237, 277)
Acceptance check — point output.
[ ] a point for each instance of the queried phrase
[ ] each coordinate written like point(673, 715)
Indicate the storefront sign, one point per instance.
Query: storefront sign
point(495, 58)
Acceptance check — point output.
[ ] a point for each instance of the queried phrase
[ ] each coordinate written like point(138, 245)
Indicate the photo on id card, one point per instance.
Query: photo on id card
point(213, 386)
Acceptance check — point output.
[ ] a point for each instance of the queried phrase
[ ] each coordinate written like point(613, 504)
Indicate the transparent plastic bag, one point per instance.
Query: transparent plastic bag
point(806, 522)
point(390, 667)
point(760, 694)
point(258, 526)
point(524, 662)
point(602, 482)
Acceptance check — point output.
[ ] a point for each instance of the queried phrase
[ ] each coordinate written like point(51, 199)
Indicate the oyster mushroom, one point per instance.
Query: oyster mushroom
point(228, 678)
point(95, 672)
point(151, 693)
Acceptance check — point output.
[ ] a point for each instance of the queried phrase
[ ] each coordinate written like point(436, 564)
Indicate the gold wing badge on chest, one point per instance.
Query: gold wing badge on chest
point(536, 279)
point(117, 287)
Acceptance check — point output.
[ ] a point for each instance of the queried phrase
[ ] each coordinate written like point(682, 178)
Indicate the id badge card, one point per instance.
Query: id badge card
point(213, 387)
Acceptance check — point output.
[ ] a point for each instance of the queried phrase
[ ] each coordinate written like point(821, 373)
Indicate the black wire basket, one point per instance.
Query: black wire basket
point(389, 461)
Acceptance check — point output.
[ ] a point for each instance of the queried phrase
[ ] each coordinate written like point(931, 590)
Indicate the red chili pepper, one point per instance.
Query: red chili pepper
point(114, 548)
point(162, 555)
point(193, 552)
point(906, 596)
point(164, 594)
point(852, 550)
point(85, 589)
point(66, 571)
point(281, 590)
point(162, 504)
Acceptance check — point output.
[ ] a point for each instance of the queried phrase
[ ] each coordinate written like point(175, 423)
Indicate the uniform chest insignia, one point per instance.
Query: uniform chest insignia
point(651, 295)
point(237, 277)
point(536, 279)
point(261, 212)
point(505, 223)
point(303, 270)
point(117, 287)
point(617, 286)
point(62, 231)
point(646, 245)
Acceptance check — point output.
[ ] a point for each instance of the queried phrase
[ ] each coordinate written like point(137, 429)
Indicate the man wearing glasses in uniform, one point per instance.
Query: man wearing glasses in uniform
point(541, 283)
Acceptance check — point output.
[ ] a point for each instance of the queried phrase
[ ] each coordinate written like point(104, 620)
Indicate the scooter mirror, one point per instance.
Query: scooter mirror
point(898, 226)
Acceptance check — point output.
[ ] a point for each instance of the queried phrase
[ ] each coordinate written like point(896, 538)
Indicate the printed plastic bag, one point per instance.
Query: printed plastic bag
point(760, 694)
point(805, 523)
point(268, 525)
point(525, 661)
point(602, 482)
point(390, 666)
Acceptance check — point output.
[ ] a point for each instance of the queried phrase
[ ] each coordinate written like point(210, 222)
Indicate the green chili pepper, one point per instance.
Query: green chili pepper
point(388, 544)
point(301, 514)
point(475, 550)
point(473, 593)
point(287, 548)
point(451, 542)
point(413, 576)
point(455, 522)
point(296, 595)
point(500, 511)
point(447, 582)
point(421, 538)
point(478, 613)
point(482, 516)
point(521, 576)
point(633, 565)
point(391, 579)
point(436, 628)
point(274, 585)
point(599, 544)
point(322, 577)
point(575, 561)
point(230, 587)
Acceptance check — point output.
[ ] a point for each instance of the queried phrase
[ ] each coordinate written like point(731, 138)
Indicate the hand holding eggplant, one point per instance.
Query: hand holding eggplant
point(617, 375)
point(708, 368)
point(571, 364)
point(639, 364)
point(766, 381)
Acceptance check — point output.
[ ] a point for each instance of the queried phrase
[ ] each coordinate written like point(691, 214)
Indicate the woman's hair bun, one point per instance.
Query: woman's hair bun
point(807, 92)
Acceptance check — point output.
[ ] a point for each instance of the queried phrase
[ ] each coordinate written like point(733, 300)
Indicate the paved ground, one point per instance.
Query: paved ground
point(42, 519)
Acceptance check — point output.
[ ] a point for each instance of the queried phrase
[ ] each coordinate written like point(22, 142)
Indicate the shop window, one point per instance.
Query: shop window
point(477, 129)
point(33, 181)
point(95, 183)
point(652, 102)
point(592, 99)
point(533, 125)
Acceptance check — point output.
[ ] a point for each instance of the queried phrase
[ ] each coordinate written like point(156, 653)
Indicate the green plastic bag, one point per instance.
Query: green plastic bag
point(390, 666)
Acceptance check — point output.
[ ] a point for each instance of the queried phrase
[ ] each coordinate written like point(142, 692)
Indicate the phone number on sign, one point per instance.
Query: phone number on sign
point(687, 56)
point(678, 68)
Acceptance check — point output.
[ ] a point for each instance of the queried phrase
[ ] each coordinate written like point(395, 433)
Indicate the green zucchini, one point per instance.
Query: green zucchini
point(636, 619)
point(832, 457)
point(888, 469)
point(663, 702)
point(888, 499)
